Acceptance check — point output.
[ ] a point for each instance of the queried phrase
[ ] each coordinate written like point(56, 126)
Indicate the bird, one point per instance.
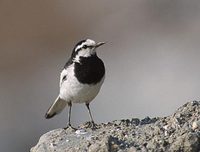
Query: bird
point(80, 80)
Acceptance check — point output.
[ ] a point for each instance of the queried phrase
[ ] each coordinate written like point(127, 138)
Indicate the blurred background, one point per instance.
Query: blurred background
point(152, 58)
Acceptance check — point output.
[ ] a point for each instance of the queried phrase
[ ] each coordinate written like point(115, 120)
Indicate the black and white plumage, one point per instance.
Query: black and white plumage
point(81, 78)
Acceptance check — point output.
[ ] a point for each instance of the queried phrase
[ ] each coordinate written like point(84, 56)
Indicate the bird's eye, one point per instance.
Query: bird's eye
point(84, 46)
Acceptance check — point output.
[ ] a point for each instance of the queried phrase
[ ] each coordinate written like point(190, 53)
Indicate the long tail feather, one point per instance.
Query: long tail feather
point(55, 108)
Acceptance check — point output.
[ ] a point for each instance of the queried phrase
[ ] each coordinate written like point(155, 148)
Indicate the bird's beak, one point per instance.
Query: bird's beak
point(99, 44)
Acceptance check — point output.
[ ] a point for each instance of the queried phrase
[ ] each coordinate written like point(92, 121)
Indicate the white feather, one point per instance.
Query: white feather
point(88, 42)
point(72, 90)
point(58, 105)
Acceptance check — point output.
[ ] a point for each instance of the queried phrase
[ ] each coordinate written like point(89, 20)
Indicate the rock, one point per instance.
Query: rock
point(177, 132)
point(186, 142)
point(196, 125)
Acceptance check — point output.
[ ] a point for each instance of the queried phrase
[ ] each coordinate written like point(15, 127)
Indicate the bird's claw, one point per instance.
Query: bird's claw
point(91, 125)
point(69, 126)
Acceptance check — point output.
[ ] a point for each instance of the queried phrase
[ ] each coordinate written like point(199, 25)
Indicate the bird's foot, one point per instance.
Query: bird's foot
point(91, 125)
point(69, 126)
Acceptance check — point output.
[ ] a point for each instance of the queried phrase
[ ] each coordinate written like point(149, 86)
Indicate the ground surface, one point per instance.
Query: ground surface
point(177, 132)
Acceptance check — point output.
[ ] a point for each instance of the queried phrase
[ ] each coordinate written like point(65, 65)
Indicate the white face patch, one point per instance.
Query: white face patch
point(85, 52)
point(88, 42)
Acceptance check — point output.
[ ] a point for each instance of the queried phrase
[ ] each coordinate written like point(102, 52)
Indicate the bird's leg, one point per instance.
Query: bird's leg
point(93, 125)
point(69, 117)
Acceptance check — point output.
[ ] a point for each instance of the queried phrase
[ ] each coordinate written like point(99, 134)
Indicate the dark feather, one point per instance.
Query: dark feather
point(90, 70)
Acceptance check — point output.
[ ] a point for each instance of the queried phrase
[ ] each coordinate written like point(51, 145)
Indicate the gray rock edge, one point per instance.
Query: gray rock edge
point(179, 132)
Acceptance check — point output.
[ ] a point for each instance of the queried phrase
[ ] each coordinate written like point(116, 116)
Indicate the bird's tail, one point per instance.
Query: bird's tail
point(55, 108)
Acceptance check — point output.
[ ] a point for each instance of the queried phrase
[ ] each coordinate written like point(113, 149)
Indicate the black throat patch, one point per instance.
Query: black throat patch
point(90, 70)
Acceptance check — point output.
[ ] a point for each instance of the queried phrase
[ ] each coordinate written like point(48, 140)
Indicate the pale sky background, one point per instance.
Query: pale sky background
point(152, 59)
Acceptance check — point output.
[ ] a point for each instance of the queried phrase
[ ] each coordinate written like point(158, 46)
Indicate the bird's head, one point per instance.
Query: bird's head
point(85, 48)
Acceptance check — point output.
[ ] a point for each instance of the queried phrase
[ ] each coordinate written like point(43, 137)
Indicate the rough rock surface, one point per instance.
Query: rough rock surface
point(179, 132)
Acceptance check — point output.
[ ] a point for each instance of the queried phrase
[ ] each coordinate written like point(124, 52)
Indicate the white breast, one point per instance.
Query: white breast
point(72, 90)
